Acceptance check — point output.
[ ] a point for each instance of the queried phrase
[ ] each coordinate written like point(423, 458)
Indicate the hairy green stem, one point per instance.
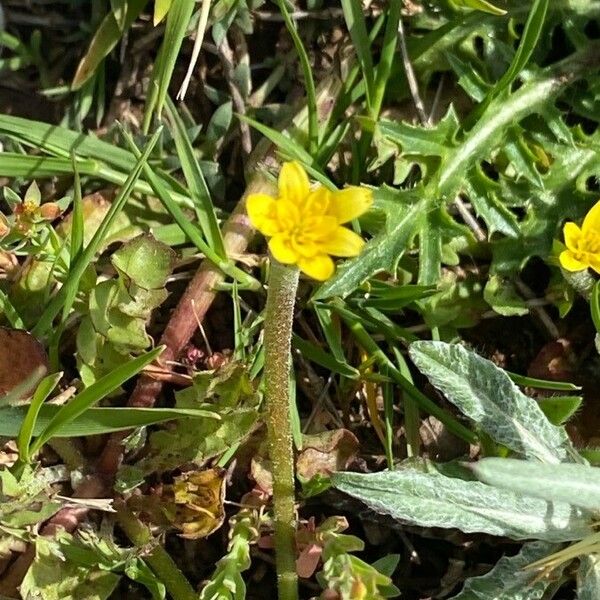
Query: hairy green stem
point(158, 558)
point(283, 282)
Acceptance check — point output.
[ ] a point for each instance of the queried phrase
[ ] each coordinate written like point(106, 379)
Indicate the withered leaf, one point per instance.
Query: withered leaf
point(21, 355)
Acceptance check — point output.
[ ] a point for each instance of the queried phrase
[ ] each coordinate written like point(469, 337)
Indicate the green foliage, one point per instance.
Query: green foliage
point(229, 397)
point(509, 580)
point(486, 395)
point(435, 500)
point(85, 566)
point(346, 574)
point(118, 310)
point(227, 582)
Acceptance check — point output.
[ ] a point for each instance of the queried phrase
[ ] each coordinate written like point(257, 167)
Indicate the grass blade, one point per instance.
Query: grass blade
point(43, 390)
point(92, 395)
point(311, 93)
point(355, 20)
point(178, 20)
point(163, 194)
point(199, 191)
point(105, 39)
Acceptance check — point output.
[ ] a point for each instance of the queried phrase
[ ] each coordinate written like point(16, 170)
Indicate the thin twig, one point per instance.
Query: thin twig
point(413, 85)
point(200, 31)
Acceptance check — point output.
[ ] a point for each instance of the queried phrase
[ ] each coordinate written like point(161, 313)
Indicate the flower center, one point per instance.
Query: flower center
point(591, 242)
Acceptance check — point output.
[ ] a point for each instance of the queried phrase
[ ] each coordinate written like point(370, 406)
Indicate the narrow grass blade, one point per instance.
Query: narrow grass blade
point(92, 395)
point(105, 39)
point(43, 390)
point(543, 384)
point(10, 312)
point(64, 142)
point(292, 149)
point(199, 191)
point(94, 421)
point(164, 195)
point(178, 20)
point(309, 82)
point(324, 359)
point(355, 20)
point(388, 52)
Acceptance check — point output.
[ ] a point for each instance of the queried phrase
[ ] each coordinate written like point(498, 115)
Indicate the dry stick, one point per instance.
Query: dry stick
point(182, 325)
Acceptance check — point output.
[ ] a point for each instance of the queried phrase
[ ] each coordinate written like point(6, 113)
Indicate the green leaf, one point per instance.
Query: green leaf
point(146, 261)
point(576, 484)
point(434, 500)
point(161, 8)
point(559, 409)
point(529, 39)
point(383, 252)
point(595, 306)
point(178, 20)
point(486, 395)
point(78, 269)
point(94, 421)
point(482, 5)
point(355, 20)
point(51, 577)
point(105, 39)
point(588, 578)
point(199, 191)
point(43, 390)
point(317, 355)
point(92, 395)
point(503, 297)
point(233, 402)
point(424, 141)
point(509, 580)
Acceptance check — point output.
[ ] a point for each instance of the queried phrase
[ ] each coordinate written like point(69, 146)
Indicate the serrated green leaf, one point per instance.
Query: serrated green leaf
point(382, 253)
point(486, 395)
point(434, 500)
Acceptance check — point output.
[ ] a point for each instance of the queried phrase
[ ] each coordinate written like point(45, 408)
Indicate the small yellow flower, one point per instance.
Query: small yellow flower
point(583, 245)
point(304, 225)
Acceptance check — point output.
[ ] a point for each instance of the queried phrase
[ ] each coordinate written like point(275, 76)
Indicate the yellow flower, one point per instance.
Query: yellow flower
point(583, 245)
point(304, 225)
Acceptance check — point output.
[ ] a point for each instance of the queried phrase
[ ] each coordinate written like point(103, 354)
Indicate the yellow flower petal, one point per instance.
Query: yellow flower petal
point(261, 211)
point(288, 214)
point(317, 202)
point(281, 249)
point(344, 242)
point(592, 219)
point(570, 263)
point(321, 228)
point(350, 203)
point(293, 183)
point(318, 267)
point(305, 248)
point(594, 261)
point(572, 235)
